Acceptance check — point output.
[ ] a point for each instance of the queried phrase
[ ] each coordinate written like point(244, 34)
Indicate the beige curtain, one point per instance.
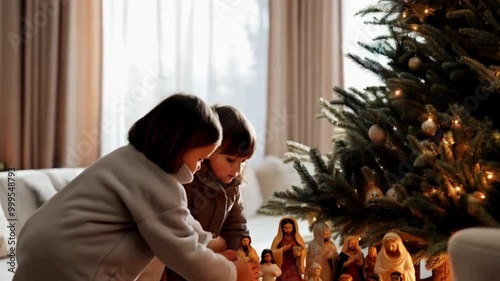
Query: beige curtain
point(305, 62)
point(50, 82)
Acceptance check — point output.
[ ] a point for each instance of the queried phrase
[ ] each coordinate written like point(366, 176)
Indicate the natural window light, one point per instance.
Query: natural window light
point(216, 49)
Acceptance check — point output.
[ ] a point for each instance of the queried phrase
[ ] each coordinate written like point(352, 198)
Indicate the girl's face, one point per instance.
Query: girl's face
point(227, 167)
point(195, 156)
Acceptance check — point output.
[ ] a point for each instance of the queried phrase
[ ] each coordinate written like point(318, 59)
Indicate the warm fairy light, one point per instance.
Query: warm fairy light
point(397, 93)
point(457, 188)
point(482, 196)
point(456, 122)
point(489, 175)
point(426, 11)
point(414, 26)
point(404, 14)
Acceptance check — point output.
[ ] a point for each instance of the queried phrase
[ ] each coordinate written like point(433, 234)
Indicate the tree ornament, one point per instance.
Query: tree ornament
point(415, 63)
point(376, 134)
point(373, 193)
point(392, 194)
point(429, 127)
point(474, 202)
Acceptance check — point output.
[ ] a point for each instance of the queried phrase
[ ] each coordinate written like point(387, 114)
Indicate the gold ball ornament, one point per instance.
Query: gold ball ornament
point(373, 193)
point(376, 134)
point(429, 127)
point(415, 64)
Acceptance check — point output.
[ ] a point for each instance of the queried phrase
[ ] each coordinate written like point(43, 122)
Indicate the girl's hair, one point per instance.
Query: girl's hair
point(179, 123)
point(264, 252)
point(238, 137)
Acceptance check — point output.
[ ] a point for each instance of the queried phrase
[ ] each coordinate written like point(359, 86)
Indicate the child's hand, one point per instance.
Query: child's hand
point(229, 254)
point(246, 271)
point(217, 245)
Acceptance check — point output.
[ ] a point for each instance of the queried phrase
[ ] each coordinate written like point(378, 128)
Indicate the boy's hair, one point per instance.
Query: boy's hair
point(238, 136)
point(179, 123)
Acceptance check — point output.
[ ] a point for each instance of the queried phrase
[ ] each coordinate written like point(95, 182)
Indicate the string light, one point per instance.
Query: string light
point(457, 188)
point(397, 93)
point(489, 175)
point(426, 11)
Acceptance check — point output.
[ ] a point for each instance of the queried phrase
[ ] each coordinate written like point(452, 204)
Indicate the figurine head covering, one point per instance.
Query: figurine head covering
point(348, 238)
point(279, 236)
point(401, 262)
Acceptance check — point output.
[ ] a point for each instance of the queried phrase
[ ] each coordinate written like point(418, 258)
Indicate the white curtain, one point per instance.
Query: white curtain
point(216, 49)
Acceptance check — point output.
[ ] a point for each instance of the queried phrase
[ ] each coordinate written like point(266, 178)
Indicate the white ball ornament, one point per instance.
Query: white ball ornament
point(376, 134)
point(392, 194)
point(429, 127)
point(415, 64)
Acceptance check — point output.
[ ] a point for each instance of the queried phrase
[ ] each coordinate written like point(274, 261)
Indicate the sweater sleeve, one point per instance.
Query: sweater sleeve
point(175, 242)
point(235, 225)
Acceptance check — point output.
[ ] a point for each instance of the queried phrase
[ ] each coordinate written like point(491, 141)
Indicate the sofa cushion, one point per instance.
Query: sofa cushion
point(32, 188)
point(62, 176)
point(4, 234)
point(274, 175)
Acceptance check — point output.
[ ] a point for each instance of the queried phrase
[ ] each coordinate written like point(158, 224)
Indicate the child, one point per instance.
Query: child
point(214, 197)
point(129, 206)
point(269, 270)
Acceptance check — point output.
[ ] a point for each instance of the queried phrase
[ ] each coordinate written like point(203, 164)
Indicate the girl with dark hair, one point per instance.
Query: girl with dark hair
point(129, 206)
point(269, 270)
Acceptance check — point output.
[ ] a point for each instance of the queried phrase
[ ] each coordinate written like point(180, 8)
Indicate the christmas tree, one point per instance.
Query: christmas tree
point(419, 155)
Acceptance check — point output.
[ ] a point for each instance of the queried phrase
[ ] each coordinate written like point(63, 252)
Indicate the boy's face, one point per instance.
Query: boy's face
point(227, 167)
point(195, 156)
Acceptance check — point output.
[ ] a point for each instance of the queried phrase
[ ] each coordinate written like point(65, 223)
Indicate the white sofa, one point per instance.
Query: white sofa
point(34, 187)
